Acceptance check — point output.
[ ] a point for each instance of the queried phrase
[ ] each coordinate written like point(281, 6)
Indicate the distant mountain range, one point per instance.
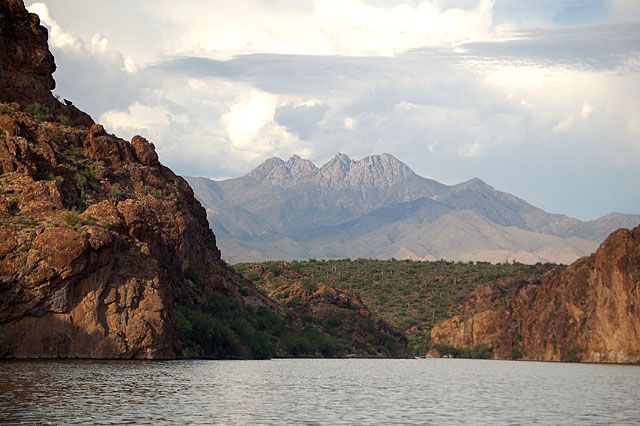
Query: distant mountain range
point(377, 207)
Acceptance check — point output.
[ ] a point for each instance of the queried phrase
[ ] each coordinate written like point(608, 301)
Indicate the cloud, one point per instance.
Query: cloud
point(304, 118)
point(58, 37)
point(566, 124)
point(530, 96)
point(92, 72)
point(152, 121)
point(322, 27)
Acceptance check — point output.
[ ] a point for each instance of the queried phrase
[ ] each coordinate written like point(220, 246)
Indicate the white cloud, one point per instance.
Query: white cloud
point(152, 121)
point(413, 85)
point(58, 37)
point(566, 124)
point(97, 47)
point(350, 123)
point(563, 126)
point(250, 125)
point(471, 150)
point(343, 27)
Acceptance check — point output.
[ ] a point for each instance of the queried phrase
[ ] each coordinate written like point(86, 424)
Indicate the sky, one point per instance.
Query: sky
point(537, 98)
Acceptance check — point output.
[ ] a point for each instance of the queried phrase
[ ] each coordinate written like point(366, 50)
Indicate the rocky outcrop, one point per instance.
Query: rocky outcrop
point(589, 312)
point(27, 65)
point(95, 242)
point(98, 240)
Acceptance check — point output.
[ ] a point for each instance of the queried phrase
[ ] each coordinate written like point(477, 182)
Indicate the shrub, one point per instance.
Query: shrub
point(6, 109)
point(309, 285)
point(156, 193)
point(515, 353)
point(252, 276)
point(64, 120)
point(37, 110)
point(473, 352)
point(192, 275)
point(72, 218)
point(84, 177)
point(218, 330)
point(115, 191)
point(27, 221)
point(12, 203)
point(74, 152)
point(571, 355)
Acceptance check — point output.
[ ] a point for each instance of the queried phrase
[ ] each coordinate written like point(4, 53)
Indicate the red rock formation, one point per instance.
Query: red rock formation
point(27, 65)
point(589, 312)
point(96, 236)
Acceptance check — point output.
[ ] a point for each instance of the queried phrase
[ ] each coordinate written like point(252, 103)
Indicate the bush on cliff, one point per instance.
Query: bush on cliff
point(472, 352)
point(37, 111)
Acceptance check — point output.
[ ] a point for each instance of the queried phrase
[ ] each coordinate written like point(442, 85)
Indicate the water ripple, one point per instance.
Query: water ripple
point(342, 392)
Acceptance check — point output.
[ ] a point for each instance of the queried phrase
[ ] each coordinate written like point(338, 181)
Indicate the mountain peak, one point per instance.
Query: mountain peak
point(475, 183)
point(300, 168)
point(335, 171)
point(379, 170)
point(343, 158)
point(264, 168)
point(295, 158)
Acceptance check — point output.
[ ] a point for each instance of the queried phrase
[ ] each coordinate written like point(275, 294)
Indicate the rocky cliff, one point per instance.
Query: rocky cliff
point(104, 252)
point(27, 65)
point(588, 312)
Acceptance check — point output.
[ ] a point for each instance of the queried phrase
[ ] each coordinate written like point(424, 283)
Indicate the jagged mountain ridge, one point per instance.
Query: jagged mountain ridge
point(378, 207)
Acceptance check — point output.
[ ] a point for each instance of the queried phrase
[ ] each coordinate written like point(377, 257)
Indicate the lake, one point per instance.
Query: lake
point(317, 391)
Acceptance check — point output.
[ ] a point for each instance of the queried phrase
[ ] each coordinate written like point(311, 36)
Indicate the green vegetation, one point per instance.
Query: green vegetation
point(73, 152)
point(26, 221)
point(116, 192)
point(404, 293)
point(85, 177)
point(48, 176)
point(571, 355)
point(223, 329)
point(37, 110)
point(72, 218)
point(12, 203)
point(64, 120)
point(156, 193)
point(473, 352)
point(5, 109)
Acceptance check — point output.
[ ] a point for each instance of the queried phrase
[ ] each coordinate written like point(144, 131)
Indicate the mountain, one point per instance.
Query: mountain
point(378, 207)
point(588, 312)
point(105, 252)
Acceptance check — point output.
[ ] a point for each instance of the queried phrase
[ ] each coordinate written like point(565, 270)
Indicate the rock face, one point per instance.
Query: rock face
point(100, 283)
point(589, 312)
point(27, 65)
point(377, 207)
point(98, 240)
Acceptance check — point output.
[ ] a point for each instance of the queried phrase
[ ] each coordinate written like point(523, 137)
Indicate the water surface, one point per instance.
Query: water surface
point(298, 391)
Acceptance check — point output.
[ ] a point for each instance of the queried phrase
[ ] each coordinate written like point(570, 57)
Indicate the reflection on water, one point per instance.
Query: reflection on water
point(318, 391)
